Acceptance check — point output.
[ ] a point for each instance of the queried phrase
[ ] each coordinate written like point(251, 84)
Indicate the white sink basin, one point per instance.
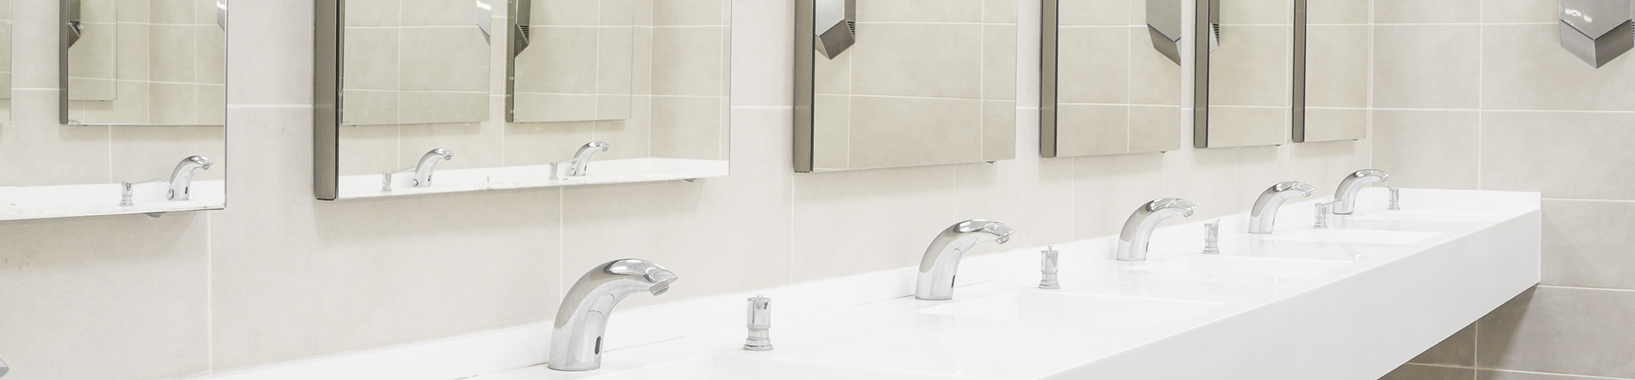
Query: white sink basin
point(1055, 306)
point(725, 366)
point(1217, 265)
point(1435, 217)
point(1354, 236)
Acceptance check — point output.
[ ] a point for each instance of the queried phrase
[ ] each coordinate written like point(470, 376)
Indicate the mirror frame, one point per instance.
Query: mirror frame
point(805, 75)
point(327, 40)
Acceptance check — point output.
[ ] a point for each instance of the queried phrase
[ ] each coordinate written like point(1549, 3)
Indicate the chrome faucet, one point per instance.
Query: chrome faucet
point(1264, 213)
point(181, 179)
point(576, 339)
point(1137, 233)
point(581, 159)
point(941, 261)
point(428, 163)
point(1346, 196)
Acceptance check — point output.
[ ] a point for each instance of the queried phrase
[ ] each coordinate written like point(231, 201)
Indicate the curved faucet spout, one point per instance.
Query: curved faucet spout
point(941, 261)
point(581, 159)
point(1264, 212)
point(428, 164)
point(1345, 197)
point(181, 179)
point(576, 339)
point(1137, 233)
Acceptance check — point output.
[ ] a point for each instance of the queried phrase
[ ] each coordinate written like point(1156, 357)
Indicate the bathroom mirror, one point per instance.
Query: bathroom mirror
point(1111, 77)
point(5, 61)
point(882, 84)
point(444, 96)
point(1331, 73)
point(1243, 82)
point(144, 63)
point(142, 105)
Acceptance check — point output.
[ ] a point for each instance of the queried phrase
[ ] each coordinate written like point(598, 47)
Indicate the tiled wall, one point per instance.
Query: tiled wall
point(103, 154)
point(1116, 93)
point(680, 110)
point(928, 82)
point(279, 276)
point(1478, 94)
point(581, 69)
point(149, 62)
point(1250, 75)
point(5, 60)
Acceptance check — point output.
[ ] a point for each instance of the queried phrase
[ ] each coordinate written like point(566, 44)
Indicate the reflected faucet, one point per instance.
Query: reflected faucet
point(581, 159)
point(576, 339)
point(1264, 213)
point(181, 179)
point(941, 261)
point(1345, 198)
point(428, 163)
point(1137, 233)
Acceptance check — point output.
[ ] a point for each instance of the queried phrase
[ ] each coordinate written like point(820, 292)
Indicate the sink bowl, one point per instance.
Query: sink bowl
point(1354, 236)
point(724, 366)
point(1423, 216)
point(1051, 306)
point(1216, 265)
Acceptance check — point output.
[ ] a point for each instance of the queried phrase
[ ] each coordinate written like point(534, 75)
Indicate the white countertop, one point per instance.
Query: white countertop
point(1352, 302)
point(601, 172)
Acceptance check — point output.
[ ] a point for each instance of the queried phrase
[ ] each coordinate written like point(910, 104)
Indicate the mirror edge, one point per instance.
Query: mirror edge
point(805, 70)
point(328, 21)
point(1048, 51)
point(1200, 74)
point(1297, 119)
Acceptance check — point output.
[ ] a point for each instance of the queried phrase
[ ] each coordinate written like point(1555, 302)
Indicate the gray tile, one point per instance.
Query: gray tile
point(1587, 244)
point(1427, 11)
point(1561, 330)
point(1571, 165)
point(1457, 350)
point(1428, 149)
point(1506, 375)
point(1427, 66)
point(1419, 372)
point(1514, 11)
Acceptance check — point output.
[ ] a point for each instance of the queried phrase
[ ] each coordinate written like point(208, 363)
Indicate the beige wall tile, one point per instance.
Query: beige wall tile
point(544, 143)
point(442, 107)
point(689, 12)
point(1154, 79)
point(901, 207)
point(1108, 188)
point(1337, 66)
point(998, 130)
point(1428, 149)
point(81, 147)
point(687, 127)
point(1426, 66)
point(999, 11)
point(1524, 68)
point(760, 76)
point(1096, 12)
point(1327, 124)
point(1338, 11)
point(1085, 130)
point(1253, 70)
point(474, 145)
point(133, 285)
point(934, 60)
point(371, 12)
point(831, 132)
point(448, 13)
point(1419, 372)
point(1514, 11)
point(1585, 244)
point(260, 51)
point(888, 131)
point(565, 61)
point(141, 153)
point(1560, 330)
point(1581, 145)
point(999, 62)
point(1506, 375)
point(173, 104)
point(688, 61)
point(565, 12)
point(1155, 128)
point(174, 53)
point(920, 11)
point(369, 149)
point(1093, 65)
point(1243, 126)
point(369, 107)
point(633, 135)
point(1255, 12)
point(1427, 11)
point(443, 60)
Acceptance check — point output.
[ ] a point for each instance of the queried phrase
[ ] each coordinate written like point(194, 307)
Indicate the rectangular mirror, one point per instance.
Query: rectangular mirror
point(1243, 86)
point(446, 96)
point(1332, 52)
point(1111, 77)
point(882, 83)
point(142, 102)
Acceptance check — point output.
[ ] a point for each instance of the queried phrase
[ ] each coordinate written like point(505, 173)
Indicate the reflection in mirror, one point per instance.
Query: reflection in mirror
point(5, 60)
point(879, 84)
point(1331, 70)
point(147, 83)
point(136, 62)
point(594, 92)
point(1111, 77)
point(582, 67)
point(1243, 84)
